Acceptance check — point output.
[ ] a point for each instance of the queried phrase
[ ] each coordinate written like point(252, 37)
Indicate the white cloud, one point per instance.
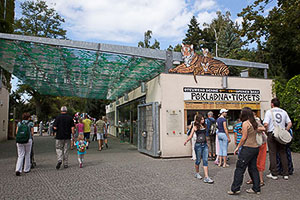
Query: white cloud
point(205, 4)
point(127, 20)
point(206, 17)
point(239, 21)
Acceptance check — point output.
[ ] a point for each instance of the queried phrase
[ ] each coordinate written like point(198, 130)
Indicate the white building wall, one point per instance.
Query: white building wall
point(4, 104)
point(173, 99)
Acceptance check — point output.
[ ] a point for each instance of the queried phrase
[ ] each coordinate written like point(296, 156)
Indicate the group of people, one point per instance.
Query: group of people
point(69, 133)
point(210, 139)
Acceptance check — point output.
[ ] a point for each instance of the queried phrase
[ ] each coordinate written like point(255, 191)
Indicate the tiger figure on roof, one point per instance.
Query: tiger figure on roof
point(199, 65)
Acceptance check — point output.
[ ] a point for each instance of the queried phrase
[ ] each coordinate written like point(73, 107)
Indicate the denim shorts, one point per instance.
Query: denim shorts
point(201, 150)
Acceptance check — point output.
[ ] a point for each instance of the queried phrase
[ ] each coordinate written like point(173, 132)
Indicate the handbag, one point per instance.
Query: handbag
point(280, 134)
point(259, 139)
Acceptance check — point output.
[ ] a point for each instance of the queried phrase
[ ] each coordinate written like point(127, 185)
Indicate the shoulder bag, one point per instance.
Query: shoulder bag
point(280, 134)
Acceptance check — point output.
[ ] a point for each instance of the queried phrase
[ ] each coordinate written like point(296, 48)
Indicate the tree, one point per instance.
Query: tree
point(7, 14)
point(146, 42)
point(177, 48)
point(277, 33)
point(39, 20)
point(224, 31)
point(193, 35)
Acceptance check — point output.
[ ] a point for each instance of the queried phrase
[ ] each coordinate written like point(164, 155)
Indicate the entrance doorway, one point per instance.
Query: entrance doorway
point(127, 121)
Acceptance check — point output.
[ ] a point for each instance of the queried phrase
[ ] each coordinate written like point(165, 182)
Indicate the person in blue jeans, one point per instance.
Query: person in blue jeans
point(201, 148)
point(223, 137)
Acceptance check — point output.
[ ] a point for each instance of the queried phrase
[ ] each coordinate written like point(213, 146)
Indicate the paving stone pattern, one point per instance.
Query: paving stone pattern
point(121, 172)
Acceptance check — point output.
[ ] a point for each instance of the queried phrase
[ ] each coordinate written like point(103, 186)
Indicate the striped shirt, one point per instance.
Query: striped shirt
point(236, 129)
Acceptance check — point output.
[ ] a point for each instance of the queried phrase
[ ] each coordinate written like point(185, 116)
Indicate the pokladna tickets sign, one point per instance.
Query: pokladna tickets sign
point(213, 94)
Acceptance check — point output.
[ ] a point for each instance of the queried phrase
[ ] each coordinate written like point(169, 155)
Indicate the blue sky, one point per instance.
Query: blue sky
point(124, 22)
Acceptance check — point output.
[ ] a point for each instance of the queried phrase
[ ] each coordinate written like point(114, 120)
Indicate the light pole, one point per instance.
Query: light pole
point(216, 36)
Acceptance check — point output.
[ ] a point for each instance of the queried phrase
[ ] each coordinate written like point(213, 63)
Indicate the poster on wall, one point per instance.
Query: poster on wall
point(214, 94)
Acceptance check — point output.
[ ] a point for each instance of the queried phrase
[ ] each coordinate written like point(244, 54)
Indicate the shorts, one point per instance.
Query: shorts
point(86, 135)
point(105, 136)
point(100, 136)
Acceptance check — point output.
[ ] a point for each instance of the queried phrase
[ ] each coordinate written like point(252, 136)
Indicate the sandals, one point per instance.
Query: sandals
point(251, 182)
point(225, 166)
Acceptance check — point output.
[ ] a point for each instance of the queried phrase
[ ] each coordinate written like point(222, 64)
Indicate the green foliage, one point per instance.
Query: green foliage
point(280, 31)
point(7, 13)
point(223, 31)
point(288, 93)
point(193, 35)
point(39, 20)
point(177, 48)
point(147, 41)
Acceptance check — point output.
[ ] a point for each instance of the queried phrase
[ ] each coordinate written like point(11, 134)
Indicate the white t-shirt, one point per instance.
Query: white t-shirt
point(280, 116)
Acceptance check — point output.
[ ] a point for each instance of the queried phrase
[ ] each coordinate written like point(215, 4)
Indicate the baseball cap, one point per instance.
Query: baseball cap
point(223, 110)
point(63, 109)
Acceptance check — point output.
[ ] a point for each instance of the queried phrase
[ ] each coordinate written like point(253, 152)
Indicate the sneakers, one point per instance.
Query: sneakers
point(251, 191)
point(233, 193)
point(198, 176)
point(272, 177)
point(286, 177)
point(18, 174)
point(208, 180)
point(58, 165)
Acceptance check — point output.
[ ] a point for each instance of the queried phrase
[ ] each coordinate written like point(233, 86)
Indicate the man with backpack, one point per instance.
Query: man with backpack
point(64, 125)
point(211, 135)
point(24, 143)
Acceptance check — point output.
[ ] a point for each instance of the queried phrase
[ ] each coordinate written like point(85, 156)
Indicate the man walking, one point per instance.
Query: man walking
point(282, 119)
point(101, 129)
point(64, 126)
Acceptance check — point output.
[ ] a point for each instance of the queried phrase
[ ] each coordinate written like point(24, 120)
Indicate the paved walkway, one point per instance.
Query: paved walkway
point(121, 172)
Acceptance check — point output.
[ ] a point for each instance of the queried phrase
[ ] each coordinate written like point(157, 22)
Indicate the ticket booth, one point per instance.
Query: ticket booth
point(172, 100)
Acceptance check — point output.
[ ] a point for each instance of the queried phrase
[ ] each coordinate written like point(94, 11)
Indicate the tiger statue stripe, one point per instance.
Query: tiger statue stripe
point(199, 65)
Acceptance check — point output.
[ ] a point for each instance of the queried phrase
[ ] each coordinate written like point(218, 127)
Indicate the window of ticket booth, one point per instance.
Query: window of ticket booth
point(203, 100)
point(232, 116)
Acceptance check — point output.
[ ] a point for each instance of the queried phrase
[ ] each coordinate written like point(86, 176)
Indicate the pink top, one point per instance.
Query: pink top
point(80, 127)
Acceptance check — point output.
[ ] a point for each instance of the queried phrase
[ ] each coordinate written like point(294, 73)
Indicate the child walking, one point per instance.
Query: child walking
point(81, 146)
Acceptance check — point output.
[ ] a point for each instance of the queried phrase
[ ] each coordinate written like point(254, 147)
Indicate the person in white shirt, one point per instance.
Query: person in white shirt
point(282, 119)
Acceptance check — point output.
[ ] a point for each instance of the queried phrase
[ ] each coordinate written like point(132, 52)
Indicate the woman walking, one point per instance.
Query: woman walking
point(223, 137)
point(24, 143)
point(201, 148)
point(248, 155)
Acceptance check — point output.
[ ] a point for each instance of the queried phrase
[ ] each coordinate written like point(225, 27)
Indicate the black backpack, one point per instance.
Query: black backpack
point(23, 133)
point(213, 127)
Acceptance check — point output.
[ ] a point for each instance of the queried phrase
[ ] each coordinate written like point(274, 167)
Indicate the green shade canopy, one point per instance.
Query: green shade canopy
point(68, 71)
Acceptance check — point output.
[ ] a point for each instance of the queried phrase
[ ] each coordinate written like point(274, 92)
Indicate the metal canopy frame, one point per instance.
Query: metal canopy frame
point(86, 69)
